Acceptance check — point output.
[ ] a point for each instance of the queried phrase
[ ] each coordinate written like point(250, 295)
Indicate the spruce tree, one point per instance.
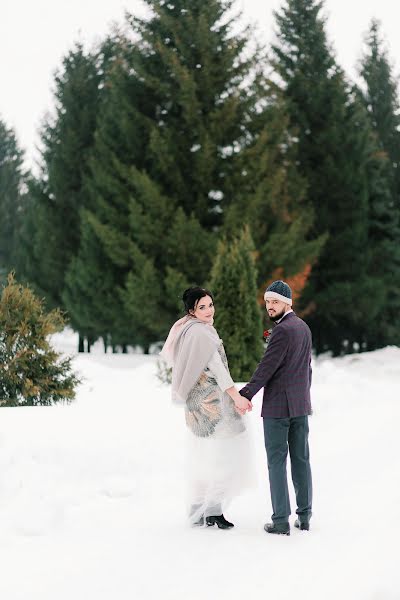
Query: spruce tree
point(12, 180)
point(174, 121)
point(381, 100)
point(383, 251)
point(199, 74)
point(181, 152)
point(31, 372)
point(238, 315)
point(87, 293)
point(272, 197)
point(96, 276)
point(333, 143)
point(58, 195)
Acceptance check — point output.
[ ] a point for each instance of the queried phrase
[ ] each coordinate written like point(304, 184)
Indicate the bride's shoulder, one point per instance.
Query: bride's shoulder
point(193, 328)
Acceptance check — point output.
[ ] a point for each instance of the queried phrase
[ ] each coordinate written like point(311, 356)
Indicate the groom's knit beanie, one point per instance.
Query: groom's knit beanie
point(280, 291)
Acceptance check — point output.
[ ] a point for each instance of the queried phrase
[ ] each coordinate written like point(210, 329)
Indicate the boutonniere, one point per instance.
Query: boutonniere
point(267, 335)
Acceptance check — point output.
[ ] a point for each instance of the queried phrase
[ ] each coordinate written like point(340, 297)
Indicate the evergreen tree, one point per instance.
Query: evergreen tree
point(381, 99)
point(272, 198)
point(333, 156)
point(58, 195)
point(12, 179)
point(383, 251)
point(181, 147)
point(194, 69)
point(87, 288)
point(170, 132)
point(238, 315)
point(31, 372)
point(97, 275)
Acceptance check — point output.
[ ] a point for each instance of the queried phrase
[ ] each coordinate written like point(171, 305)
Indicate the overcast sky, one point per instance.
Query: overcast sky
point(35, 34)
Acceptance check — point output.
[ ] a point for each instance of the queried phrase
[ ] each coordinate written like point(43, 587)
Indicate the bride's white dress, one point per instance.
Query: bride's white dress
point(219, 463)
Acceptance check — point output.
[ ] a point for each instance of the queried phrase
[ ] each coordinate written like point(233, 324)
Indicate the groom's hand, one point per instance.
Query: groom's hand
point(243, 405)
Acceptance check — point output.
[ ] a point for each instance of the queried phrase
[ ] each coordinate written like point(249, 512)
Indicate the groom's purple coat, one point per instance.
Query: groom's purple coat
point(284, 371)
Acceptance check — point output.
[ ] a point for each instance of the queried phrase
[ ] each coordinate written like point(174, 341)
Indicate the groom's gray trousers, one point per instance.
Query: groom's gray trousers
point(283, 435)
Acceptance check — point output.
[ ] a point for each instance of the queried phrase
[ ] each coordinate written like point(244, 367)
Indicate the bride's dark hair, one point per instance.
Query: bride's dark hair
point(192, 295)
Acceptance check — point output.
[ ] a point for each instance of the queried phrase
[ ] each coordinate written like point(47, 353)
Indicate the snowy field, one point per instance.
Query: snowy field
point(92, 497)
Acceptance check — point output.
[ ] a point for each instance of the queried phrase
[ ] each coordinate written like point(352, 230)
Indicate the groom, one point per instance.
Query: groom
point(285, 373)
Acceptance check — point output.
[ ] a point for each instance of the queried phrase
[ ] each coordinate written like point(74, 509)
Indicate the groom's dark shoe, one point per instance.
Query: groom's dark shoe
point(220, 521)
point(303, 525)
point(279, 528)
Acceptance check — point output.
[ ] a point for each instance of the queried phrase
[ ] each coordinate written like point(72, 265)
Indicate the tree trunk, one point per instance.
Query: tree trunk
point(81, 344)
point(90, 342)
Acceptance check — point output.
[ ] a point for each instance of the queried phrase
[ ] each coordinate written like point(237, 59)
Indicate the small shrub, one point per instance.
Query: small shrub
point(31, 372)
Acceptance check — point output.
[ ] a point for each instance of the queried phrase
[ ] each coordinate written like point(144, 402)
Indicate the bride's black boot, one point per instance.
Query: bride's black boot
point(220, 521)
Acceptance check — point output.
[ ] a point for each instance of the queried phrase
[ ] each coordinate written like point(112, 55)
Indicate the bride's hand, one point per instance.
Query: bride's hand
point(242, 405)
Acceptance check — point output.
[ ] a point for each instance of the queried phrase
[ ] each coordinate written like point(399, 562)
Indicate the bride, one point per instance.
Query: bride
point(218, 447)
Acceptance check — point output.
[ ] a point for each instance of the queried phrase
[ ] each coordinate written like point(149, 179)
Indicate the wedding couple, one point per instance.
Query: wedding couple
point(218, 460)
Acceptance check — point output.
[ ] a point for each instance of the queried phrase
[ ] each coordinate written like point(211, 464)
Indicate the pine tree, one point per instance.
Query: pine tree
point(31, 372)
point(333, 156)
point(381, 99)
point(87, 288)
point(194, 68)
point(272, 198)
point(167, 145)
point(58, 195)
point(383, 253)
point(238, 315)
point(97, 275)
point(12, 179)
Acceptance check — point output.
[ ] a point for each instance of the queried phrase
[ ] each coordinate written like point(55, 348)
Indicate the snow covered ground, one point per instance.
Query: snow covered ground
point(92, 497)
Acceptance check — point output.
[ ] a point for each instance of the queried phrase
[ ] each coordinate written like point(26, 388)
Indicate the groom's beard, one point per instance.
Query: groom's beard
point(277, 316)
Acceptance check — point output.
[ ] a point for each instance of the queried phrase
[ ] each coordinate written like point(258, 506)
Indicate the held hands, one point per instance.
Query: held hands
point(242, 405)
